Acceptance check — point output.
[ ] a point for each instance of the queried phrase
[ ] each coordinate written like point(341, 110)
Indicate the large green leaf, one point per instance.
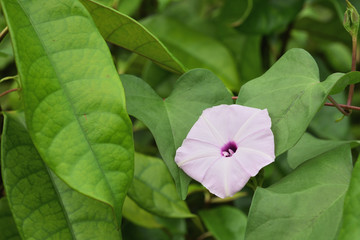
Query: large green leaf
point(154, 190)
point(309, 147)
point(8, 230)
point(306, 204)
point(225, 222)
point(43, 206)
point(170, 119)
point(73, 99)
point(124, 31)
point(194, 49)
point(293, 94)
point(351, 217)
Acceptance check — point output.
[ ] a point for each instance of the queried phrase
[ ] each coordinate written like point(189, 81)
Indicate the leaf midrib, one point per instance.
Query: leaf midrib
point(62, 85)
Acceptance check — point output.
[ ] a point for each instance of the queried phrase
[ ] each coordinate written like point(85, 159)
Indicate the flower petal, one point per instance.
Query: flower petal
point(226, 146)
point(195, 157)
point(252, 160)
point(223, 179)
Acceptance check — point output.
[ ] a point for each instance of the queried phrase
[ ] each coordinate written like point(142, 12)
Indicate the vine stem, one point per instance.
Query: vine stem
point(3, 33)
point(353, 68)
point(9, 91)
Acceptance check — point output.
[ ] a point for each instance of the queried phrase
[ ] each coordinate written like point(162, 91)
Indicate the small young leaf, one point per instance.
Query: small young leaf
point(306, 204)
point(170, 119)
point(74, 102)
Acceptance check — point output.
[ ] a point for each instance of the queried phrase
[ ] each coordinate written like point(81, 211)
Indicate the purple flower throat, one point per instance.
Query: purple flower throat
point(228, 149)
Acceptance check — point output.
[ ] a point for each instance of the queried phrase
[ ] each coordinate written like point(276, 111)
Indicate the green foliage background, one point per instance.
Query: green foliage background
point(73, 166)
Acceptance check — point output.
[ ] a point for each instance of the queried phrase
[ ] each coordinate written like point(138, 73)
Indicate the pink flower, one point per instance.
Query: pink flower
point(226, 146)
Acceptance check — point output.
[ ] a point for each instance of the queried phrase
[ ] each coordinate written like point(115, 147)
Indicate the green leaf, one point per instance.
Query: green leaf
point(306, 204)
point(194, 49)
point(8, 230)
point(139, 216)
point(309, 147)
point(43, 206)
point(171, 119)
point(124, 31)
point(351, 217)
point(292, 93)
point(225, 222)
point(268, 16)
point(154, 190)
point(73, 99)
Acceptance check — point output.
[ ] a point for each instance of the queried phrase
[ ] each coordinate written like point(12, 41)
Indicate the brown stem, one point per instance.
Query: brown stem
point(9, 91)
point(338, 106)
point(353, 68)
point(3, 33)
point(344, 106)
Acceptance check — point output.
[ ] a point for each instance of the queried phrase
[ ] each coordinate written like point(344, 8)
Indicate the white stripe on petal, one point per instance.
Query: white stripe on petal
point(244, 126)
point(214, 131)
point(196, 156)
point(267, 156)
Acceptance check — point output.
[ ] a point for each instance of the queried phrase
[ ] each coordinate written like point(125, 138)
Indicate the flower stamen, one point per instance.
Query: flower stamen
point(229, 149)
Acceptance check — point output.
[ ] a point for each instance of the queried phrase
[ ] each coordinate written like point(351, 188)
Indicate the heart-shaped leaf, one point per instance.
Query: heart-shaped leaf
point(43, 206)
point(170, 119)
point(154, 190)
point(306, 204)
point(73, 99)
point(292, 93)
point(115, 28)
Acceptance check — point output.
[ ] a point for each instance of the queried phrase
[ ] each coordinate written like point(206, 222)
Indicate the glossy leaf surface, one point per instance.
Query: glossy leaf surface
point(170, 119)
point(73, 99)
point(292, 93)
point(43, 206)
point(116, 27)
point(225, 222)
point(306, 204)
point(154, 190)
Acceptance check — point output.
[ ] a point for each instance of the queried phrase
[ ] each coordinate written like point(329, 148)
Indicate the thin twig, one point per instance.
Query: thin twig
point(9, 91)
point(344, 106)
point(3, 33)
point(353, 68)
point(338, 106)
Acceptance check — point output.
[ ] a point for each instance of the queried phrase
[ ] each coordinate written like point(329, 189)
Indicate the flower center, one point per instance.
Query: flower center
point(229, 149)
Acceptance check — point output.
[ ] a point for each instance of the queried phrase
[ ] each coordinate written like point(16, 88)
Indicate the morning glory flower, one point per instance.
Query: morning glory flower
point(226, 146)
